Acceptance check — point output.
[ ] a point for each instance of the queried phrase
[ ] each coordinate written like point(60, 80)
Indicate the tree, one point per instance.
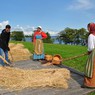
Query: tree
point(59, 39)
point(83, 36)
point(48, 39)
point(73, 36)
point(67, 35)
point(18, 36)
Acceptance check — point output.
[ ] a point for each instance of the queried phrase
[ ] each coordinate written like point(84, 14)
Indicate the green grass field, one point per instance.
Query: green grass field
point(93, 93)
point(65, 51)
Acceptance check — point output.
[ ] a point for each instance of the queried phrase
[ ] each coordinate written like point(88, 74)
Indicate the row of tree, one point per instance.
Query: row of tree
point(73, 36)
point(19, 36)
point(66, 36)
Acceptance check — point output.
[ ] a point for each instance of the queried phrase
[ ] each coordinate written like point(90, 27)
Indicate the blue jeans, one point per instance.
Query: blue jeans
point(2, 54)
point(6, 55)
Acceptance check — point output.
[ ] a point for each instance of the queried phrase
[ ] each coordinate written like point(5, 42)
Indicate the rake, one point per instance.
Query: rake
point(74, 57)
point(5, 61)
point(66, 59)
point(12, 58)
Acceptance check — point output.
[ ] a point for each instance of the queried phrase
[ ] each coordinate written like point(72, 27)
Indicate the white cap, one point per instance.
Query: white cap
point(39, 27)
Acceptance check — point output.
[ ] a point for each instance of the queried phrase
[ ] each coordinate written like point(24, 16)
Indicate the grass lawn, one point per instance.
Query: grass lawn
point(93, 93)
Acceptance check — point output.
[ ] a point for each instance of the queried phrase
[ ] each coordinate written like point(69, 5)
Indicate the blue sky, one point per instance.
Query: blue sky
point(52, 15)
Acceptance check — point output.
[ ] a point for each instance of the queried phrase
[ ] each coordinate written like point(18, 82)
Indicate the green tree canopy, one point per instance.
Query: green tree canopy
point(48, 39)
point(73, 36)
point(18, 36)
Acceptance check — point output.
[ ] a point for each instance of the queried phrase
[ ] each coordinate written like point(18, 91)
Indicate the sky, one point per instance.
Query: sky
point(52, 15)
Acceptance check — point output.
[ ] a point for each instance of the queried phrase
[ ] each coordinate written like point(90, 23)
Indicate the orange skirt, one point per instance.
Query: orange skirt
point(90, 82)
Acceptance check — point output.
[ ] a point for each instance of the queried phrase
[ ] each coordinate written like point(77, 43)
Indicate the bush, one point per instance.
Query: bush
point(48, 39)
point(18, 36)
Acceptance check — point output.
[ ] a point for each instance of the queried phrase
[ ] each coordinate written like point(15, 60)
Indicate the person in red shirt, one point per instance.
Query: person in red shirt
point(39, 35)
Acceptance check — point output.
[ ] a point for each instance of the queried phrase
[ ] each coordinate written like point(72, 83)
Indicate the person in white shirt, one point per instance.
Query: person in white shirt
point(89, 79)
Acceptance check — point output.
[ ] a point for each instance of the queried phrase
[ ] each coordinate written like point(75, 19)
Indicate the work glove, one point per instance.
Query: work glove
point(8, 49)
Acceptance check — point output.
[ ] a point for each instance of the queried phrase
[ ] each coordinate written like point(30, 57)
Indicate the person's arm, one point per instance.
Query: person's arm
point(8, 38)
point(4, 40)
point(3, 37)
point(44, 36)
point(90, 44)
point(8, 41)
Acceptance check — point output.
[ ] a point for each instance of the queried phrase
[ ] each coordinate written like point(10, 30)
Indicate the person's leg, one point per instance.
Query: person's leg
point(6, 55)
point(90, 82)
point(7, 59)
point(2, 54)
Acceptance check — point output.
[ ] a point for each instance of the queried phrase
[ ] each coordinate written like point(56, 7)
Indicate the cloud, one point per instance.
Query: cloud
point(81, 5)
point(52, 33)
point(28, 30)
point(3, 24)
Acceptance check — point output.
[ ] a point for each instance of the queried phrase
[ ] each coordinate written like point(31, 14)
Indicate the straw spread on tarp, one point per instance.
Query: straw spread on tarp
point(18, 79)
point(18, 52)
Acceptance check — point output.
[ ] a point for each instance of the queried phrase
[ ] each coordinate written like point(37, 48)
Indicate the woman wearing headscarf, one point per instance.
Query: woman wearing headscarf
point(89, 79)
point(38, 36)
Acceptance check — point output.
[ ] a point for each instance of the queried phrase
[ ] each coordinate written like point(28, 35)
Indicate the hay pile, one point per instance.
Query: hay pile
point(18, 79)
point(18, 52)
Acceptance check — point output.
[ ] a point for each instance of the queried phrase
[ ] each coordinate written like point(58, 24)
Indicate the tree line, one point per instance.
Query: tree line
point(73, 36)
point(19, 36)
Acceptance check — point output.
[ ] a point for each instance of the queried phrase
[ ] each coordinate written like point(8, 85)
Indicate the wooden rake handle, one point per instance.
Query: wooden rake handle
point(11, 56)
point(4, 60)
point(66, 59)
